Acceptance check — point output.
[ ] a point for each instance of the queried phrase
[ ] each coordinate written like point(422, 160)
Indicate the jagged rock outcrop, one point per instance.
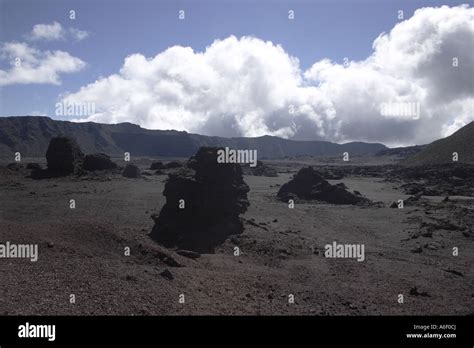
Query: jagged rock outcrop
point(308, 184)
point(203, 203)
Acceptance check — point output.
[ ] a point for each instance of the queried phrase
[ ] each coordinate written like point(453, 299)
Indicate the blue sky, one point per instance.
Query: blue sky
point(331, 29)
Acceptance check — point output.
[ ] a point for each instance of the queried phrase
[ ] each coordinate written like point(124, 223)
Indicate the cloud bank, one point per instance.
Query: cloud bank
point(250, 87)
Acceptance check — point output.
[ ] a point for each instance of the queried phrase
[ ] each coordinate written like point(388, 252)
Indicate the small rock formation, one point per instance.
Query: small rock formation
point(64, 155)
point(394, 205)
point(172, 165)
point(98, 161)
point(167, 274)
point(307, 184)
point(203, 203)
point(189, 254)
point(14, 166)
point(131, 171)
point(260, 170)
point(33, 166)
point(157, 166)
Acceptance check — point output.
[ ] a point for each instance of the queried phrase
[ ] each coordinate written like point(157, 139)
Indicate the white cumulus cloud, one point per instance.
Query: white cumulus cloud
point(250, 87)
point(54, 32)
point(49, 32)
point(32, 66)
point(77, 34)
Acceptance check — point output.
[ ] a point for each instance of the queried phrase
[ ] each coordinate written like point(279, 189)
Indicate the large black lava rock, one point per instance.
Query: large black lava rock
point(98, 161)
point(64, 155)
point(213, 194)
point(131, 171)
point(310, 185)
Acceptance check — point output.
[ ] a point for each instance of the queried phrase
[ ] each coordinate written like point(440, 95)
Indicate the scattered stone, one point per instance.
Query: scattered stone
point(214, 195)
point(260, 170)
point(417, 250)
point(98, 161)
point(131, 171)
point(357, 193)
point(414, 292)
point(157, 166)
point(171, 165)
point(309, 185)
point(64, 156)
point(14, 166)
point(33, 166)
point(454, 272)
point(394, 204)
point(167, 274)
point(412, 188)
point(413, 200)
point(189, 254)
point(448, 179)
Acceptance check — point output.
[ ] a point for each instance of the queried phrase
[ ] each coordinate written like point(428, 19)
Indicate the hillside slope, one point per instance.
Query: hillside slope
point(441, 151)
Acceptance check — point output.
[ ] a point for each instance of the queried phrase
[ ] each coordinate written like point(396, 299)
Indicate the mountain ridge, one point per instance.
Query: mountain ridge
point(30, 135)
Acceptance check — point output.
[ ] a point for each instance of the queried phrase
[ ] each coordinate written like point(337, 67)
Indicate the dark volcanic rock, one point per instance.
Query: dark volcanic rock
point(454, 179)
point(412, 188)
point(188, 253)
point(309, 185)
point(14, 166)
point(64, 155)
point(172, 165)
point(167, 274)
point(260, 170)
point(131, 171)
point(213, 195)
point(157, 166)
point(33, 166)
point(98, 161)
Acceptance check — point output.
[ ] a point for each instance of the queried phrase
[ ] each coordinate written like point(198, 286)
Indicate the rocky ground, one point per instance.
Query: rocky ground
point(408, 251)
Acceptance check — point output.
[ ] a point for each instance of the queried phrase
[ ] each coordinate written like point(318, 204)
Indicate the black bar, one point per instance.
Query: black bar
point(246, 329)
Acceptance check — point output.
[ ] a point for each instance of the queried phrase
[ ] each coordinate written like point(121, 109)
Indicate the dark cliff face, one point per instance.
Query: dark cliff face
point(30, 135)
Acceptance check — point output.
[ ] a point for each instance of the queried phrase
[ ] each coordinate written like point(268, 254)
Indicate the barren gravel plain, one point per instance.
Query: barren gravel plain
point(408, 251)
